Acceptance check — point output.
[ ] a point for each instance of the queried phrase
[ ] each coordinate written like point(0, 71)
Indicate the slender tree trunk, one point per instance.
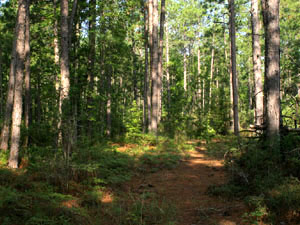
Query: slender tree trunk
point(155, 82)
point(108, 104)
point(73, 13)
point(19, 70)
point(272, 70)
point(233, 68)
point(150, 23)
point(146, 74)
point(160, 55)
point(56, 48)
point(256, 58)
point(91, 62)
point(1, 83)
point(184, 70)
point(65, 73)
point(167, 67)
point(27, 113)
point(212, 70)
point(199, 91)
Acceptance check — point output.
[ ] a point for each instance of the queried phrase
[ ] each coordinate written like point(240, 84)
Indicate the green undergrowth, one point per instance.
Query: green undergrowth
point(50, 189)
point(266, 179)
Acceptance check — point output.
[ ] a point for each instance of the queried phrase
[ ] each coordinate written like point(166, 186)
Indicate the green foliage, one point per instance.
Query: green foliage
point(133, 121)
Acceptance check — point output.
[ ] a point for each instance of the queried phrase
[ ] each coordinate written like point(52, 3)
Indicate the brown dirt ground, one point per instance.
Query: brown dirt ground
point(186, 187)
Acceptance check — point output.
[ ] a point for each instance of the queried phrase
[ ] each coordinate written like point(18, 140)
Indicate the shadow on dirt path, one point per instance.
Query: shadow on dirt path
point(186, 187)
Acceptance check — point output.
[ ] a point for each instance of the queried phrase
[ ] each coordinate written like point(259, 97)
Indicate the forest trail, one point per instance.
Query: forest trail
point(186, 187)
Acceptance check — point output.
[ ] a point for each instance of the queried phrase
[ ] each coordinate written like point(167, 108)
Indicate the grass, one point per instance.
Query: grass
point(88, 188)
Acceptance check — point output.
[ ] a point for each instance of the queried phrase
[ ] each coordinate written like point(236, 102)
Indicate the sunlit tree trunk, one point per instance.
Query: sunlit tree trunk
point(199, 86)
point(155, 82)
point(160, 55)
point(108, 104)
point(56, 47)
point(150, 23)
point(146, 72)
point(212, 70)
point(233, 67)
point(64, 69)
point(167, 67)
point(27, 113)
point(19, 78)
point(256, 58)
point(184, 70)
point(272, 70)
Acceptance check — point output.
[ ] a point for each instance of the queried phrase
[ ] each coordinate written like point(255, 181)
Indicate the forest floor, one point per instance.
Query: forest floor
point(186, 188)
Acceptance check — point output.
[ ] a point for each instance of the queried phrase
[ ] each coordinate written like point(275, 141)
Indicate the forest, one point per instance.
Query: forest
point(148, 112)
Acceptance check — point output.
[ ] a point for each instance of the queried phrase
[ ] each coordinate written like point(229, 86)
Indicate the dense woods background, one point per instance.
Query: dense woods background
point(79, 74)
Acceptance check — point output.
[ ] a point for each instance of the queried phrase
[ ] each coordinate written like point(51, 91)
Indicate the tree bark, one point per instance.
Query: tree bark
point(233, 67)
point(108, 104)
point(27, 113)
point(155, 82)
point(19, 70)
point(272, 70)
point(91, 62)
point(10, 91)
point(184, 70)
point(150, 23)
point(160, 55)
point(56, 48)
point(212, 70)
point(1, 83)
point(64, 70)
point(146, 73)
point(167, 67)
point(256, 58)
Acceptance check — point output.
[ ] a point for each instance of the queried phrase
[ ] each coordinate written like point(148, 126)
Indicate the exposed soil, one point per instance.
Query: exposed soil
point(186, 187)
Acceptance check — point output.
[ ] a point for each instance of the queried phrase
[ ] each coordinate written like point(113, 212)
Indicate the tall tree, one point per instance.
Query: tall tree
point(160, 53)
point(256, 58)
point(1, 81)
point(18, 88)
point(233, 67)
point(64, 67)
point(155, 82)
point(27, 112)
point(10, 90)
point(91, 59)
point(272, 69)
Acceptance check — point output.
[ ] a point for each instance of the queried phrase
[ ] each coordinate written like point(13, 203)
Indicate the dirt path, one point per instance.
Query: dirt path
point(186, 187)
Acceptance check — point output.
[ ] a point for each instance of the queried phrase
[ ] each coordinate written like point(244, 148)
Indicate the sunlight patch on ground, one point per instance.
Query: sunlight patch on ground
point(71, 203)
point(107, 198)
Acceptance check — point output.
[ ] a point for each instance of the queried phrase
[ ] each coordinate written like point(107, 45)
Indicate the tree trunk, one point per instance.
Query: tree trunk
point(65, 73)
point(10, 91)
point(19, 70)
point(27, 113)
point(160, 55)
point(233, 68)
point(91, 62)
point(167, 68)
point(56, 48)
point(155, 82)
point(108, 104)
point(212, 69)
point(1, 83)
point(256, 58)
point(184, 70)
point(146, 74)
point(150, 23)
point(272, 70)
point(199, 86)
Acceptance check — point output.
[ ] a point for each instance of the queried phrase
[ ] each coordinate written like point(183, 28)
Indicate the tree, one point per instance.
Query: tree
point(272, 70)
point(256, 54)
point(233, 67)
point(64, 69)
point(18, 88)
point(27, 108)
